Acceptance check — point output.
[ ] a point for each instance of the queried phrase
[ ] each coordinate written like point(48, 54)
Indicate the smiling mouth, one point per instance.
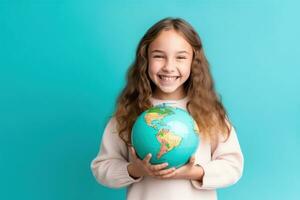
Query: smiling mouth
point(168, 78)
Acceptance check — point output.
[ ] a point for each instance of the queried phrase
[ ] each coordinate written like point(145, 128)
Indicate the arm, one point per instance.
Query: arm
point(226, 166)
point(110, 165)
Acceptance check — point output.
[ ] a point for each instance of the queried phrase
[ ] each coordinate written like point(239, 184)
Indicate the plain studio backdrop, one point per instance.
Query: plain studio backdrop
point(63, 63)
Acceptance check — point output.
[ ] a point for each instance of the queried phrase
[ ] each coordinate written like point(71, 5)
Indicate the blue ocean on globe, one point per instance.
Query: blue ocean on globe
point(169, 133)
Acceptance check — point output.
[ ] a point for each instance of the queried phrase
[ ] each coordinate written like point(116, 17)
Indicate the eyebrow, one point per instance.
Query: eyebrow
point(160, 51)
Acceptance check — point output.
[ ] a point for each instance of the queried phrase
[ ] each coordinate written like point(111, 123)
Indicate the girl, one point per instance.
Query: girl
point(170, 67)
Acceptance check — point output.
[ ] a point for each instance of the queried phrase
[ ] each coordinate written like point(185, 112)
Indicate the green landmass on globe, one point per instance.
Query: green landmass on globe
point(166, 138)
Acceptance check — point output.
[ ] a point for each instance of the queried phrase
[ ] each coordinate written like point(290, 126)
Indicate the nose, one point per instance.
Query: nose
point(169, 66)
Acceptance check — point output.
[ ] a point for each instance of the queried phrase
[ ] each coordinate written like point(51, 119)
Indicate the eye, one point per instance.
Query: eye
point(181, 57)
point(157, 56)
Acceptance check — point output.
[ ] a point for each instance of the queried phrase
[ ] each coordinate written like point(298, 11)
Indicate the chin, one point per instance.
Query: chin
point(168, 89)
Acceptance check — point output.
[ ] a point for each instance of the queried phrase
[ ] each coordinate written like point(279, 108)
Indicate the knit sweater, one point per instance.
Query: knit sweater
point(222, 163)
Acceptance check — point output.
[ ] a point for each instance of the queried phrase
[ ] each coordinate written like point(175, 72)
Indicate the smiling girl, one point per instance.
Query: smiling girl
point(170, 67)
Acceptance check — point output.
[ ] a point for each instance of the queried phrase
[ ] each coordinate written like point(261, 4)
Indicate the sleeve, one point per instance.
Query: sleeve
point(225, 167)
point(110, 165)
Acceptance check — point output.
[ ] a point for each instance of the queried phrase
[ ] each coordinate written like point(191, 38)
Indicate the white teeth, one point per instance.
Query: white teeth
point(168, 78)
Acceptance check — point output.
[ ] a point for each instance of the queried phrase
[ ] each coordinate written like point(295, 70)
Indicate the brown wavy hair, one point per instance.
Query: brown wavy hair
point(204, 104)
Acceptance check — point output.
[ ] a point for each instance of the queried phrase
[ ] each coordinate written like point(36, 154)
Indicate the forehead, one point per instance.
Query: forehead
point(170, 41)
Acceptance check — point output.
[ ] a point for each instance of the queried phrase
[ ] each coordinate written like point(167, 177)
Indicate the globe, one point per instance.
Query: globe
point(169, 133)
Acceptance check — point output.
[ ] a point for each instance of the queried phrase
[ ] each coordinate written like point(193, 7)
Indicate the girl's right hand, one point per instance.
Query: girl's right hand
point(138, 168)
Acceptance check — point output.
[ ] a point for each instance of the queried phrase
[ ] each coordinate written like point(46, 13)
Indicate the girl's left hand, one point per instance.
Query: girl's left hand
point(188, 171)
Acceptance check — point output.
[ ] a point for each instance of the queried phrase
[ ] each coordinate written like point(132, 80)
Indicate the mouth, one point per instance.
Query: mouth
point(168, 78)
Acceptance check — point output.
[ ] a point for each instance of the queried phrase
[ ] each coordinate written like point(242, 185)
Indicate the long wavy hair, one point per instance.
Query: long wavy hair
point(204, 104)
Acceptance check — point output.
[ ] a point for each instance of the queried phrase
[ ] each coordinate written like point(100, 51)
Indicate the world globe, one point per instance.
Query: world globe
point(169, 133)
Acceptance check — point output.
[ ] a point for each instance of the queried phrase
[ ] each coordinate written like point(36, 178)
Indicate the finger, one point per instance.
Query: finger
point(169, 175)
point(164, 172)
point(132, 152)
point(147, 158)
point(158, 167)
point(192, 160)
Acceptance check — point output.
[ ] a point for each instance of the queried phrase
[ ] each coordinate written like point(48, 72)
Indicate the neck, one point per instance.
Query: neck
point(177, 95)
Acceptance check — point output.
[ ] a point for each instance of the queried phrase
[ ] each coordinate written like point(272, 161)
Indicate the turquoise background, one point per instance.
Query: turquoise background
point(63, 63)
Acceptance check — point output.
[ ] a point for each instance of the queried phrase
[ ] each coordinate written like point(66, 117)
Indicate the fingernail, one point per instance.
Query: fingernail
point(149, 154)
point(166, 164)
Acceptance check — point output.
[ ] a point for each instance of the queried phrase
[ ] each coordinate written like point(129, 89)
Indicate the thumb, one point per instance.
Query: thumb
point(132, 152)
point(192, 160)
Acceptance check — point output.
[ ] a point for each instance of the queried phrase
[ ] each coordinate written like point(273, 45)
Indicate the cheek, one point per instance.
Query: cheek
point(186, 70)
point(154, 67)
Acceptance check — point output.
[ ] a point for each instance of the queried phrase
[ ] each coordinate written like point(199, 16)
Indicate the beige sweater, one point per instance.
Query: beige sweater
point(222, 164)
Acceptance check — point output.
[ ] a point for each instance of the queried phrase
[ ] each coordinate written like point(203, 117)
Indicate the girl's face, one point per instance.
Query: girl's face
point(170, 57)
